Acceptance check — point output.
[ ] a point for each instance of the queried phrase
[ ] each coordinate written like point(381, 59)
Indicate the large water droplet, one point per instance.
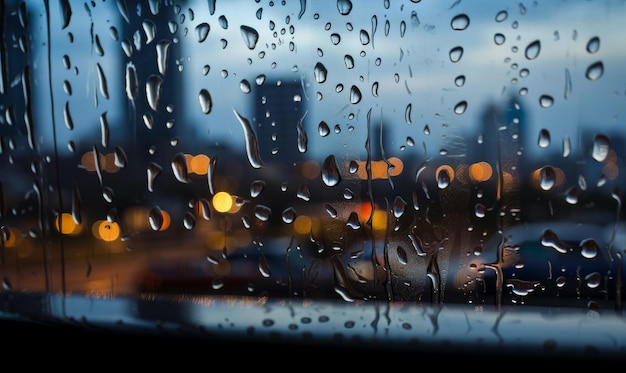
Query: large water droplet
point(153, 91)
point(250, 36)
point(546, 101)
point(532, 50)
point(547, 177)
point(593, 280)
point(156, 218)
point(593, 45)
point(205, 100)
point(460, 107)
point(344, 7)
point(163, 53)
point(202, 31)
point(355, 95)
point(330, 171)
point(154, 170)
point(252, 146)
point(262, 212)
point(601, 147)
point(455, 54)
point(399, 206)
point(544, 138)
point(460, 22)
point(589, 248)
point(595, 71)
point(256, 188)
point(443, 179)
point(320, 72)
point(179, 167)
point(550, 239)
point(289, 215)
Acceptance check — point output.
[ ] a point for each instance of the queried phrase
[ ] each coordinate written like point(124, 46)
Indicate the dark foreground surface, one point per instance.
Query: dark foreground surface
point(294, 334)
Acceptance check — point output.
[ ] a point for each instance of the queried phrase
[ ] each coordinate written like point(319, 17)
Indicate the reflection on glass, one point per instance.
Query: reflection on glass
point(434, 152)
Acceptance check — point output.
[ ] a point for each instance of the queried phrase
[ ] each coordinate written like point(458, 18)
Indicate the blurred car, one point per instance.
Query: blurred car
point(556, 264)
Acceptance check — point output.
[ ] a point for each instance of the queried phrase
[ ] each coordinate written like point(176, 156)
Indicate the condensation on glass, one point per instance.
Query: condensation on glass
point(439, 152)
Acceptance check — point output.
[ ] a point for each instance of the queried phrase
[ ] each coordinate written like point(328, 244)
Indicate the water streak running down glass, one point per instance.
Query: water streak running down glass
point(410, 152)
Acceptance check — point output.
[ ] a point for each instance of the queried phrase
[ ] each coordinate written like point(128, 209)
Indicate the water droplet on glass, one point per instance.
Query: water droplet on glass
point(163, 52)
point(289, 215)
point(330, 171)
point(601, 147)
point(262, 212)
point(256, 188)
point(353, 221)
point(244, 85)
point(399, 207)
point(547, 177)
point(546, 101)
point(323, 129)
point(443, 179)
point(455, 54)
point(264, 267)
point(364, 36)
point(154, 170)
point(589, 248)
point(355, 95)
point(595, 71)
point(550, 239)
point(149, 29)
point(102, 82)
point(544, 138)
point(179, 167)
point(344, 7)
point(223, 22)
point(499, 39)
point(67, 117)
point(153, 91)
point(250, 36)
point(532, 50)
point(206, 103)
point(593, 45)
point(156, 218)
point(460, 22)
point(202, 31)
point(571, 196)
point(480, 210)
point(331, 211)
point(189, 220)
point(303, 192)
point(252, 147)
point(459, 81)
point(460, 107)
point(349, 61)
point(593, 280)
point(320, 72)
point(501, 15)
point(402, 255)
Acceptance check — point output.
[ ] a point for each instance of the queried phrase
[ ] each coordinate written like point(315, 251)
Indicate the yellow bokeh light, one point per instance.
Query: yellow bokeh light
point(480, 171)
point(446, 168)
point(66, 225)
point(302, 224)
point(222, 201)
point(199, 164)
point(108, 231)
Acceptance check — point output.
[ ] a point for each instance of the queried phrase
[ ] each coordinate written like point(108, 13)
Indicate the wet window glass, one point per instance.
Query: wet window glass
point(440, 152)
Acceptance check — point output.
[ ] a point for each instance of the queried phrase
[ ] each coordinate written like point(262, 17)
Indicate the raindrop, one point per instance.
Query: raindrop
point(256, 188)
point(330, 171)
point(223, 22)
point(206, 103)
point(571, 196)
point(499, 39)
point(402, 255)
point(601, 147)
point(131, 82)
point(252, 146)
point(460, 22)
point(407, 114)
point(560, 281)
point(589, 248)
point(365, 37)
point(289, 215)
point(344, 7)
point(153, 91)
point(303, 192)
point(546, 101)
point(262, 212)
point(102, 82)
point(349, 61)
point(593, 280)
point(320, 72)
point(156, 218)
point(595, 71)
point(67, 117)
point(443, 179)
point(355, 95)
point(202, 31)
point(532, 50)
point(149, 29)
point(547, 177)
point(593, 45)
point(302, 137)
point(245, 87)
point(459, 81)
point(154, 170)
point(331, 211)
point(460, 107)
point(189, 220)
point(163, 52)
point(501, 15)
point(107, 194)
point(544, 138)
point(399, 207)
point(323, 129)
point(264, 269)
point(550, 239)
point(353, 221)
point(375, 89)
point(179, 167)
point(455, 54)
point(250, 36)
point(480, 210)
